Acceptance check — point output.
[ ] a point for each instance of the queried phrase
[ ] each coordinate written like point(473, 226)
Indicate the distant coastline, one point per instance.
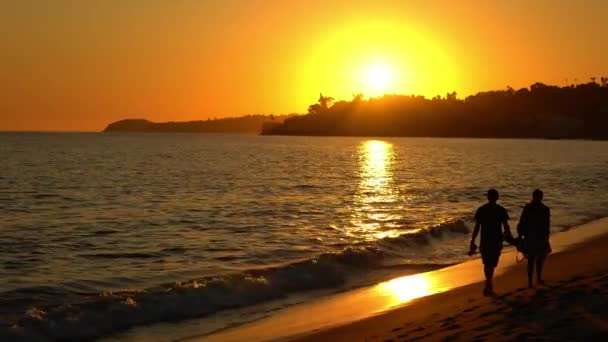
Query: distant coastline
point(252, 124)
point(538, 112)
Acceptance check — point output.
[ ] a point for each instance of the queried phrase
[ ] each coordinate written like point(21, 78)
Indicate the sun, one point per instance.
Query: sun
point(378, 78)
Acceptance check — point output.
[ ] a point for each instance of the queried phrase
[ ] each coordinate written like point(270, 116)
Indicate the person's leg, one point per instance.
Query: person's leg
point(531, 261)
point(490, 260)
point(490, 253)
point(488, 271)
point(540, 260)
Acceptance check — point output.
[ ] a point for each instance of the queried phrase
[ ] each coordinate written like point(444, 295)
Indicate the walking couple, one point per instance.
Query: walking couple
point(533, 235)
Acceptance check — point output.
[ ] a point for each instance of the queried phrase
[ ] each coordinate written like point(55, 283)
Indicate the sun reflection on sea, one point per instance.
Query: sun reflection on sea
point(376, 168)
point(373, 210)
point(404, 289)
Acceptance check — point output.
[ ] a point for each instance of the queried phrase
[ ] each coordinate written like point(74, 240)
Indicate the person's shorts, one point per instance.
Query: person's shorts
point(490, 255)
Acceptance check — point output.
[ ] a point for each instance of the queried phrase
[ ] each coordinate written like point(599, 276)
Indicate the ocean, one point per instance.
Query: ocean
point(102, 232)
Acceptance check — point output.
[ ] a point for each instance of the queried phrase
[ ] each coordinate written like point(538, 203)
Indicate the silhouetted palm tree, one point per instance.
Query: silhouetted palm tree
point(322, 105)
point(325, 101)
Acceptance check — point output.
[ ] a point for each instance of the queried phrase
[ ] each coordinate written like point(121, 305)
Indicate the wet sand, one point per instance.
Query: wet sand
point(573, 305)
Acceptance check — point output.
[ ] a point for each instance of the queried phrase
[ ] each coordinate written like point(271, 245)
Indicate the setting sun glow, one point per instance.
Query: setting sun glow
point(379, 78)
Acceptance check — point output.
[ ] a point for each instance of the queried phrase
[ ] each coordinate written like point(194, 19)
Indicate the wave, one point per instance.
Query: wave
point(426, 236)
point(104, 232)
point(135, 255)
point(109, 312)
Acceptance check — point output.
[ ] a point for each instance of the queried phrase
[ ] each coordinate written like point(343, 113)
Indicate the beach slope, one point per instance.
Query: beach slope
point(572, 306)
point(447, 304)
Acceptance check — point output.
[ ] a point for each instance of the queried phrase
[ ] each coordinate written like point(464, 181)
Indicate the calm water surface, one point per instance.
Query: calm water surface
point(125, 214)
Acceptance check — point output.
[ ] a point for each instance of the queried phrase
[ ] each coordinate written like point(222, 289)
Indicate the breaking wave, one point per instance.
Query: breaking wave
point(102, 314)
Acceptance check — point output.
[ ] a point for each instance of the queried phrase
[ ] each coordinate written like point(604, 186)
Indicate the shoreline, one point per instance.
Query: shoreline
point(516, 312)
point(314, 135)
point(373, 311)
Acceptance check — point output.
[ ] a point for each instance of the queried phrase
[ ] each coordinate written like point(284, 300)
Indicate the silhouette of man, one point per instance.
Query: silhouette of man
point(534, 229)
point(490, 218)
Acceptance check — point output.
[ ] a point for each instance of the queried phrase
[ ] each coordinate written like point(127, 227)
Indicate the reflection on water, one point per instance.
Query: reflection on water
point(376, 163)
point(403, 289)
point(373, 211)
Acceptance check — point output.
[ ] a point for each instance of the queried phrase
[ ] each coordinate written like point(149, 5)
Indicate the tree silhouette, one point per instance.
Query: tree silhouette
point(540, 111)
point(325, 101)
point(357, 98)
point(322, 105)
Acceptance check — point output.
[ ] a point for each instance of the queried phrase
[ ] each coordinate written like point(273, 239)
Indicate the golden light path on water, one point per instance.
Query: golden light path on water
point(375, 200)
point(374, 214)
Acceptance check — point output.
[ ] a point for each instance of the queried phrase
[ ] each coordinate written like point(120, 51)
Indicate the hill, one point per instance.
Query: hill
point(540, 111)
point(252, 124)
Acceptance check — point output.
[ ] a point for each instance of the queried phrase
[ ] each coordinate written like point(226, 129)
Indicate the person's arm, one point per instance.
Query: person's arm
point(523, 218)
point(507, 230)
point(476, 229)
point(548, 223)
point(506, 227)
point(475, 233)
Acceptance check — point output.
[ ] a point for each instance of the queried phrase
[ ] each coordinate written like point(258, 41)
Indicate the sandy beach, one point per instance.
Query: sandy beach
point(573, 305)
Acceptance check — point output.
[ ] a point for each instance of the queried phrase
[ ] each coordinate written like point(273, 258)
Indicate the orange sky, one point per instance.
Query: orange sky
point(78, 64)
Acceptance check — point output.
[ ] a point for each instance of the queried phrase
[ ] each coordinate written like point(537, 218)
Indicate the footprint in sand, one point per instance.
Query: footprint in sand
point(485, 327)
point(420, 338)
point(447, 321)
point(574, 294)
point(452, 337)
point(453, 327)
point(577, 278)
point(473, 308)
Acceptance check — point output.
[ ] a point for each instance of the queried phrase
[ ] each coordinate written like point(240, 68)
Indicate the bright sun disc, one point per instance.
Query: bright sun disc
point(378, 79)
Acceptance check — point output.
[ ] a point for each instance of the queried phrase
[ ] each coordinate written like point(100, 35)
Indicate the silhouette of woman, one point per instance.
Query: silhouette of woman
point(534, 229)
